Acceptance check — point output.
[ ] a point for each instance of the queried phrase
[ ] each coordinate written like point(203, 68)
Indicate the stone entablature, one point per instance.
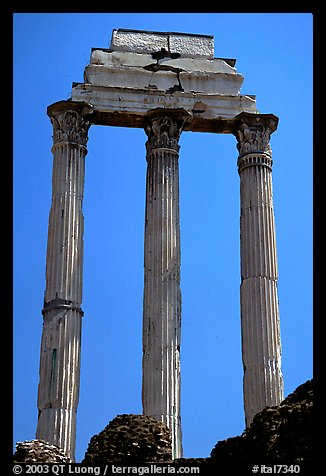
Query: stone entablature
point(145, 71)
point(142, 71)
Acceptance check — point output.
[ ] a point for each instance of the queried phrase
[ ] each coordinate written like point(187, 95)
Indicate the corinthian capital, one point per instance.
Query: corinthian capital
point(163, 130)
point(71, 121)
point(253, 132)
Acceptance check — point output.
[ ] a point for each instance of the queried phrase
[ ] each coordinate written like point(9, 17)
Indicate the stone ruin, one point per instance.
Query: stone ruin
point(165, 83)
point(280, 434)
point(38, 451)
point(131, 439)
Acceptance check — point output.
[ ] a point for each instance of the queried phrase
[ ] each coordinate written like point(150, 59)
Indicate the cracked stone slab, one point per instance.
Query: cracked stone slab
point(107, 58)
point(138, 41)
point(163, 71)
point(163, 77)
point(145, 70)
point(127, 107)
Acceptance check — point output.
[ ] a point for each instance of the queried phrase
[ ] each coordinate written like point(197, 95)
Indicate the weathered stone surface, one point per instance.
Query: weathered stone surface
point(260, 323)
point(278, 435)
point(108, 58)
point(38, 451)
point(162, 295)
point(130, 438)
point(145, 70)
point(58, 391)
point(166, 78)
point(139, 41)
point(128, 107)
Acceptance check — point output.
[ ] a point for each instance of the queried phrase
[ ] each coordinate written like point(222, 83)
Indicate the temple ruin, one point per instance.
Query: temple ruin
point(164, 83)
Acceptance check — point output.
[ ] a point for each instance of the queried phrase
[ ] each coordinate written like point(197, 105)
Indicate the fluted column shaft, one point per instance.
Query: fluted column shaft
point(162, 296)
point(260, 324)
point(58, 391)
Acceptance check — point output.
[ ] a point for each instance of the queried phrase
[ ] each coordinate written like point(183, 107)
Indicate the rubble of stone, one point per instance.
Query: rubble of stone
point(130, 438)
point(278, 435)
point(38, 451)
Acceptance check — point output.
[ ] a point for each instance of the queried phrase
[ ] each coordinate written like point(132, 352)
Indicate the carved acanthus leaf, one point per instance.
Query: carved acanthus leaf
point(163, 132)
point(253, 139)
point(70, 126)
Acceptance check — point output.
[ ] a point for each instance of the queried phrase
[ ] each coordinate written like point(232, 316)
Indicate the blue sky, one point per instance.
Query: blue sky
point(274, 54)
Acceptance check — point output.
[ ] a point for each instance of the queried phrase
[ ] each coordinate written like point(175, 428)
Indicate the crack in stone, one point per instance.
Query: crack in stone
point(158, 55)
point(154, 67)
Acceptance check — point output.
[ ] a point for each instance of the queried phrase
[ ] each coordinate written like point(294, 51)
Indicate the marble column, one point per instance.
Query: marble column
point(58, 391)
point(162, 295)
point(260, 323)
